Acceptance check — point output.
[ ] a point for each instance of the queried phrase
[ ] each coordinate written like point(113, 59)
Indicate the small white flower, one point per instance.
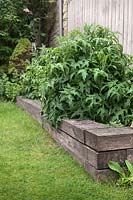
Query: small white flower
point(26, 10)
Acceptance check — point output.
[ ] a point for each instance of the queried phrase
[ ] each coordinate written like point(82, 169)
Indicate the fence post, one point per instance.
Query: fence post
point(61, 16)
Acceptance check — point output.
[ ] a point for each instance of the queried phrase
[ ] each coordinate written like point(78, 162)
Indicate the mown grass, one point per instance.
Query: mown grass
point(33, 167)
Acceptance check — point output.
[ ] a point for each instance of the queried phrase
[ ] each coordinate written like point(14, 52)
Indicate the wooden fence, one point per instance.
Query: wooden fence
point(115, 14)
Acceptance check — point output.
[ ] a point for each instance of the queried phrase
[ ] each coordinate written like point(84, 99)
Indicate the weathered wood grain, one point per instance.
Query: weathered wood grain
point(100, 160)
point(77, 149)
point(99, 175)
point(109, 139)
point(97, 159)
point(33, 107)
point(115, 14)
point(90, 143)
point(130, 155)
point(76, 128)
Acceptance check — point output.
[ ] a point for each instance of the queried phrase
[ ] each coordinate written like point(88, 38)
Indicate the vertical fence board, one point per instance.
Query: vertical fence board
point(115, 14)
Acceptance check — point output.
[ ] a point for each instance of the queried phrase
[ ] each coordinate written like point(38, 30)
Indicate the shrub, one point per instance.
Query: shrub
point(6, 49)
point(21, 53)
point(27, 83)
point(34, 77)
point(3, 80)
point(10, 88)
point(88, 76)
point(5, 53)
point(14, 24)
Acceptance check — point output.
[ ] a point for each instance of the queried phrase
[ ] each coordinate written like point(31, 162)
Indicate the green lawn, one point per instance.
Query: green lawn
point(33, 167)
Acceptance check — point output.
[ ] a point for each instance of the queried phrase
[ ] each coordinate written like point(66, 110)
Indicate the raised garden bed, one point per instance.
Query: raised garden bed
point(92, 144)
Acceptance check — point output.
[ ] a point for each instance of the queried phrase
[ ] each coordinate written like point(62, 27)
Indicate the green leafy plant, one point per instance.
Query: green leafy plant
point(33, 78)
point(27, 83)
point(10, 87)
point(12, 90)
point(19, 57)
point(125, 176)
point(22, 19)
point(14, 24)
point(3, 80)
point(88, 76)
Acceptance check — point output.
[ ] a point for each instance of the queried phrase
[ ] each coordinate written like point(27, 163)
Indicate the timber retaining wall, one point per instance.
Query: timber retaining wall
point(91, 143)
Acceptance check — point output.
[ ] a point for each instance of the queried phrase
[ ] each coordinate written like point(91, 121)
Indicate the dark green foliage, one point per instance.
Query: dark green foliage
point(21, 53)
point(10, 88)
point(22, 46)
point(27, 83)
point(21, 19)
point(88, 76)
point(5, 53)
point(3, 80)
point(34, 77)
point(14, 23)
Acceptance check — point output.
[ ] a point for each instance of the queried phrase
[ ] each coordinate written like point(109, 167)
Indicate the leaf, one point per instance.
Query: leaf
point(117, 168)
point(89, 73)
point(83, 72)
point(130, 167)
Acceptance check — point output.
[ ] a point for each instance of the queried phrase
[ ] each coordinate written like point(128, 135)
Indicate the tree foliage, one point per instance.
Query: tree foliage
point(14, 25)
point(20, 56)
point(20, 19)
